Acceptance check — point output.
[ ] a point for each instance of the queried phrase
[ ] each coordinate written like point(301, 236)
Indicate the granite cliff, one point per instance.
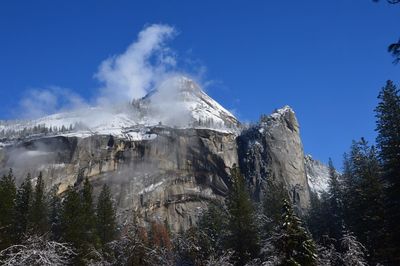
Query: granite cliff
point(164, 170)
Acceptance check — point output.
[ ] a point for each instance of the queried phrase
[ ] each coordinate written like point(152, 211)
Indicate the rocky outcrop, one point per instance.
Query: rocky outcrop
point(166, 173)
point(271, 151)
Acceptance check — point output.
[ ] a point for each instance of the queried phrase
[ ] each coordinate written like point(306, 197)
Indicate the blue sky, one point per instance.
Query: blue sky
point(326, 59)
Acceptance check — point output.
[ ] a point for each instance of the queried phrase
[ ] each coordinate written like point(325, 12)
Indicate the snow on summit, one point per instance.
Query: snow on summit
point(177, 102)
point(181, 102)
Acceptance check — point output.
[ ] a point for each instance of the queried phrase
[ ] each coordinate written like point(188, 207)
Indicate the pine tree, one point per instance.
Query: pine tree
point(328, 255)
point(353, 251)
point(335, 217)
point(353, 174)
point(325, 217)
point(131, 248)
point(388, 141)
point(22, 208)
point(39, 223)
point(195, 245)
point(317, 220)
point(214, 223)
point(89, 216)
point(7, 208)
point(273, 204)
point(243, 237)
point(364, 197)
point(347, 183)
point(372, 207)
point(292, 243)
point(71, 223)
point(55, 209)
point(106, 224)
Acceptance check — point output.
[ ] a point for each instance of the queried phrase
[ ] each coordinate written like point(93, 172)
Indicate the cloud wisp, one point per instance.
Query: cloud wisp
point(143, 65)
point(147, 64)
point(41, 102)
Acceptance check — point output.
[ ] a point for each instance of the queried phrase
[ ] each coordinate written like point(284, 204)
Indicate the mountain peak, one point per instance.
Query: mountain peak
point(282, 111)
point(282, 116)
point(180, 101)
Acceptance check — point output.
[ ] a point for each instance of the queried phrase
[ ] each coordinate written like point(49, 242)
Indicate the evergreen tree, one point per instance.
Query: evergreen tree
point(7, 208)
point(292, 243)
point(71, 223)
point(353, 251)
point(349, 193)
point(353, 174)
point(372, 206)
point(196, 245)
point(106, 224)
point(191, 247)
point(39, 223)
point(335, 217)
point(329, 256)
point(317, 220)
point(88, 214)
point(273, 204)
point(214, 224)
point(134, 244)
point(388, 141)
point(55, 209)
point(22, 207)
point(325, 217)
point(243, 237)
point(364, 197)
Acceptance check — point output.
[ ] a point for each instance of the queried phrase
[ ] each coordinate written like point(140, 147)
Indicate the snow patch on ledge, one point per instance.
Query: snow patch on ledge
point(282, 111)
point(151, 188)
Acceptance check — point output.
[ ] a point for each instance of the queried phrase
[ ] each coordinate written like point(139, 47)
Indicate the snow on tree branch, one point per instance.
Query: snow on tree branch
point(36, 250)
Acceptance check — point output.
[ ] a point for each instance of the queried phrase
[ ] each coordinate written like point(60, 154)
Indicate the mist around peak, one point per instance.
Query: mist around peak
point(143, 85)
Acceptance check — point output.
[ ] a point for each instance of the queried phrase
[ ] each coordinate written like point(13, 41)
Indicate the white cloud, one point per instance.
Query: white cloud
point(130, 75)
point(40, 102)
point(144, 63)
point(147, 64)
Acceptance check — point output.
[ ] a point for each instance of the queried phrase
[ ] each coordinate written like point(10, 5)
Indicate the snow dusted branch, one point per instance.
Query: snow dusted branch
point(354, 254)
point(36, 250)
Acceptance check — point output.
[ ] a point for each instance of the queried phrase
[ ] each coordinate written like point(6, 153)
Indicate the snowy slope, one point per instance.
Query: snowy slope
point(317, 175)
point(178, 102)
point(95, 120)
point(203, 107)
point(181, 102)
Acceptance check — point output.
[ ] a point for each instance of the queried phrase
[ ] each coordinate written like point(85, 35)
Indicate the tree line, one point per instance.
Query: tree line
point(71, 223)
point(51, 229)
point(41, 228)
point(365, 198)
point(40, 129)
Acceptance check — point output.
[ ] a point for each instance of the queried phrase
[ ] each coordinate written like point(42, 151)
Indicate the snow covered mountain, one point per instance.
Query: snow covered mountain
point(177, 102)
point(169, 153)
point(181, 102)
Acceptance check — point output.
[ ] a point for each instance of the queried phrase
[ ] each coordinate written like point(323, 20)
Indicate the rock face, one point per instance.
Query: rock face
point(271, 151)
point(172, 176)
point(163, 172)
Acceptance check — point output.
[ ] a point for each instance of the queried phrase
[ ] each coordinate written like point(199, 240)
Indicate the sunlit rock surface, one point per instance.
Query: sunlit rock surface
point(162, 168)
